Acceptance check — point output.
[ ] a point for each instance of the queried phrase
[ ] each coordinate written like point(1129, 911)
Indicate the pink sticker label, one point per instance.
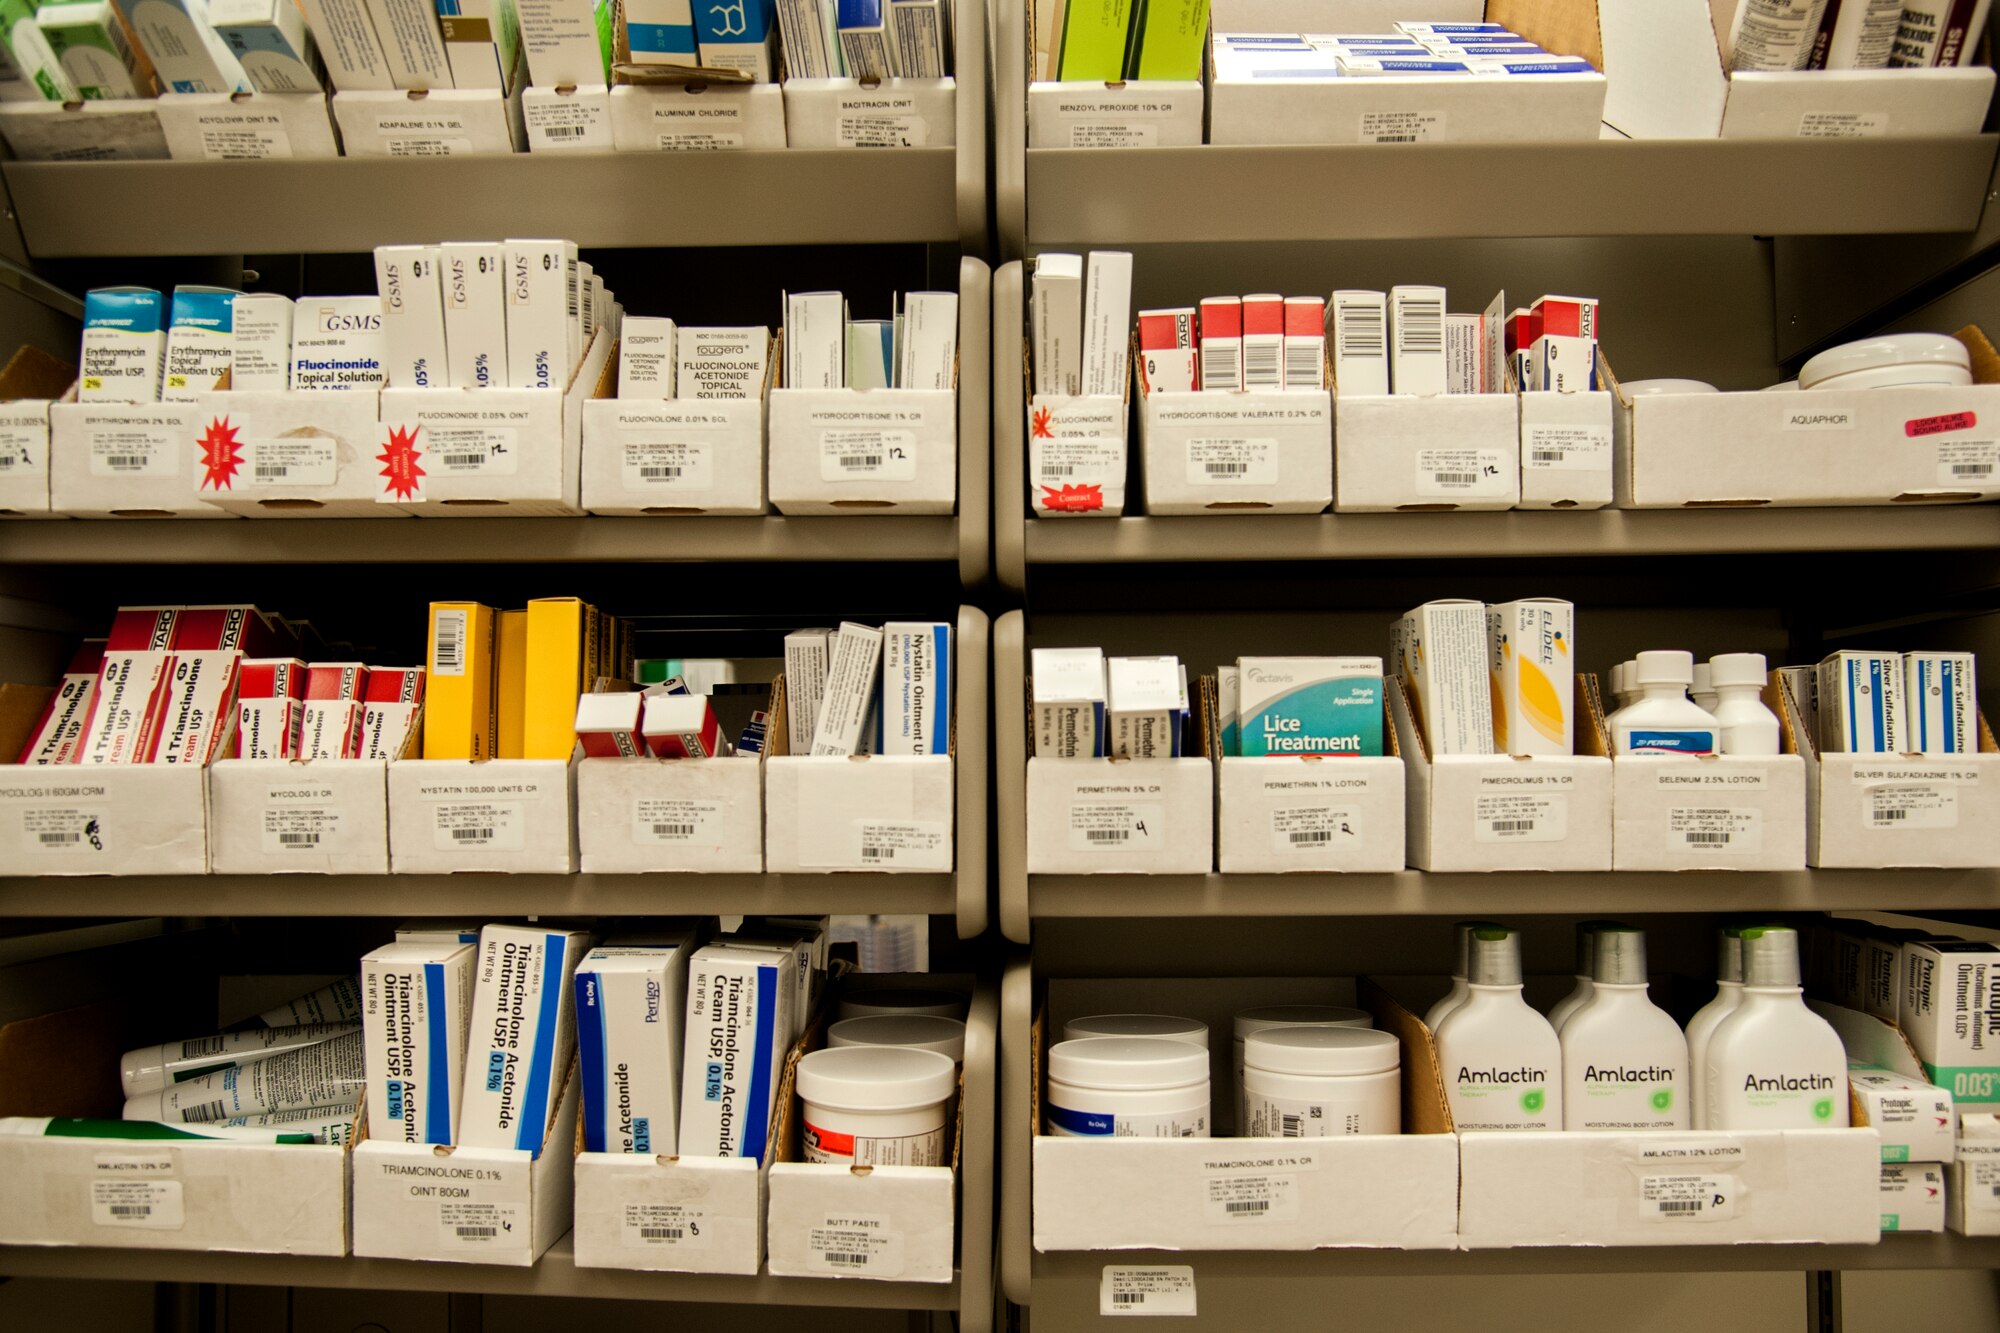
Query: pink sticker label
point(1922, 426)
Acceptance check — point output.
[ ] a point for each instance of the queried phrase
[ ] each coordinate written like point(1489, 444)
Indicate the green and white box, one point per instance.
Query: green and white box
point(1951, 1014)
point(482, 41)
point(1309, 706)
point(89, 43)
point(32, 54)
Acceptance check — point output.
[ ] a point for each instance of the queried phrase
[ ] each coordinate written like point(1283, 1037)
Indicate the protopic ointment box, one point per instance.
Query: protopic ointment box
point(1951, 1014)
point(523, 1033)
point(416, 1005)
point(737, 1034)
point(1534, 682)
point(630, 1002)
point(1917, 1122)
point(1913, 1196)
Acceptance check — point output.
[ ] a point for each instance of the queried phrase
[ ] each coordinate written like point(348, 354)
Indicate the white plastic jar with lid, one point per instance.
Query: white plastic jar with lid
point(1137, 1025)
point(897, 1000)
point(1128, 1087)
point(1320, 1083)
point(1265, 1017)
point(875, 1105)
point(926, 1032)
point(1660, 388)
point(1892, 361)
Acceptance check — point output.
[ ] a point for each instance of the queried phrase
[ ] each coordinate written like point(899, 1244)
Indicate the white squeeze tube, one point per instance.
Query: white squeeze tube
point(45, 1127)
point(319, 1075)
point(151, 1068)
point(339, 1002)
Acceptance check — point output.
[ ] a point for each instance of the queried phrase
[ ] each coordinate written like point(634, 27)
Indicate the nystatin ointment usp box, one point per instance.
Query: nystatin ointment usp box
point(416, 1003)
point(1309, 706)
point(737, 1028)
point(630, 1000)
point(917, 678)
point(523, 1031)
point(1533, 680)
point(1068, 688)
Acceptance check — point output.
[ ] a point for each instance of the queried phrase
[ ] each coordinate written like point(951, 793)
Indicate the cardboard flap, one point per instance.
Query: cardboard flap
point(1425, 1110)
point(1567, 27)
point(63, 1064)
point(1594, 736)
point(1792, 737)
point(1985, 359)
point(32, 373)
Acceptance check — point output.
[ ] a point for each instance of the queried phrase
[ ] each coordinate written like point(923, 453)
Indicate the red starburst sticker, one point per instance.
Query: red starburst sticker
point(1072, 499)
point(1041, 421)
point(404, 476)
point(219, 459)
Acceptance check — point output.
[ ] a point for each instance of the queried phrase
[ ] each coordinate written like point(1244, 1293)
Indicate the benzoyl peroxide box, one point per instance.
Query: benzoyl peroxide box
point(523, 1034)
point(416, 1003)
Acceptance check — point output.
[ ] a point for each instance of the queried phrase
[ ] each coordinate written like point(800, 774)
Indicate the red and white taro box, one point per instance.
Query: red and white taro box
point(196, 702)
point(288, 454)
point(270, 707)
point(333, 710)
point(469, 452)
point(58, 735)
point(391, 702)
point(607, 725)
point(637, 813)
point(681, 726)
point(122, 716)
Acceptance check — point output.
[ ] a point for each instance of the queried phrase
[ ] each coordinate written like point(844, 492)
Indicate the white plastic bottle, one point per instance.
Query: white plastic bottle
point(1456, 995)
point(1703, 689)
point(1663, 720)
point(1501, 1060)
point(1625, 1062)
point(1748, 727)
point(1586, 973)
point(1728, 994)
point(1773, 1063)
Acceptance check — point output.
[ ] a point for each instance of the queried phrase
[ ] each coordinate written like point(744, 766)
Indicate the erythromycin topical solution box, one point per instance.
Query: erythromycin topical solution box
point(260, 352)
point(1861, 704)
point(269, 40)
point(917, 680)
point(1533, 679)
point(735, 1045)
point(337, 343)
point(1943, 702)
point(406, 278)
point(124, 343)
point(1146, 707)
point(200, 342)
point(523, 1034)
point(475, 314)
point(541, 292)
point(630, 1003)
point(1069, 698)
point(416, 1000)
point(1309, 706)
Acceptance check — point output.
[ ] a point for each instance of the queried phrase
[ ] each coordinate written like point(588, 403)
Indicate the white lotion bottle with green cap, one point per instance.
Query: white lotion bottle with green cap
point(1625, 1062)
point(1502, 1061)
point(1773, 1063)
point(1728, 994)
point(1456, 995)
point(1586, 973)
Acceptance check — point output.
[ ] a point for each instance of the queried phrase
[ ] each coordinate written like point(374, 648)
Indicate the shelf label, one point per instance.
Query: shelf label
point(1710, 777)
point(1964, 463)
point(250, 136)
point(1401, 127)
point(880, 844)
point(1567, 449)
point(1910, 805)
point(1843, 124)
point(1815, 419)
point(660, 820)
point(856, 1245)
point(1315, 828)
point(1166, 1290)
point(697, 125)
point(1981, 1163)
point(1109, 134)
point(1136, 826)
point(303, 461)
point(565, 122)
point(867, 455)
point(683, 465)
point(880, 120)
point(1688, 1198)
point(1462, 473)
point(1727, 830)
point(1947, 774)
point(467, 451)
point(1520, 817)
point(482, 826)
point(23, 448)
point(476, 1224)
point(299, 828)
point(153, 1204)
point(133, 451)
point(650, 1226)
point(1214, 461)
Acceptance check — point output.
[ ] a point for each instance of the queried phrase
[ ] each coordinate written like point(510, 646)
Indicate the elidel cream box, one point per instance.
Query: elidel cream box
point(413, 354)
point(260, 352)
point(1861, 704)
point(1444, 644)
point(917, 680)
point(607, 725)
point(1068, 691)
point(416, 1006)
point(853, 688)
point(1916, 1122)
point(124, 342)
point(58, 736)
point(333, 710)
point(646, 358)
point(737, 1035)
point(721, 363)
point(475, 314)
point(200, 342)
point(1360, 324)
point(523, 1033)
point(1943, 704)
point(270, 708)
point(390, 700)
point(337, 343)
point(1166, 351)
point(630, 1003)
point(541, 294)
point(1309, 706)
point(122, 716)
point(806, 653)
point(1147, 706)
point(1529, 643)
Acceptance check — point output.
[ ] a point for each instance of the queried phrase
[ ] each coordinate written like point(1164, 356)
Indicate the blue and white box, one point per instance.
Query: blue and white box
point(187, 53)
point(1146, 707)
point(523, 1035)
point(200, 343)
point(737, 34)
point(866, 48)
point(1943, 702)
point(416, 1005)
point(918, 674)
point(630, 1001)
point(660, 32)
point(124, 343)
point(810, 32)
point(738, 1026)
point(1309, 706)
point(270, 40)
point(1861, 704)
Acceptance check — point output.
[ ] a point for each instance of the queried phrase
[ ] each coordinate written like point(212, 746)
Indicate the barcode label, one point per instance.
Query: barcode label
point(1147, 1292)
point(651, 1225)
point(1921, 805)
point(205, 1112)
point(61, 829)
point(1962, 461)
point(1513, 825)
point(852, 1241)
point(272, 472)
point(1229, 461)
point(1248, 1207)
point(1138, 826)
point(125, 462)
point(1291, 1127)
point(477, 1233)
point(472, 834)
point(292, 461)
point(1246, 1195)
point(1687, 1198)
point(1304, 363)
point(123, 1202)
point(1419, 328)
point(841, 1260)
point(1455, 478)
point(1400, 126)
point(1139, 1297)
point(463, 460)
point(489, 451)
point(448, 644)
point(1222, 365)
point(568, 123)
point(1715, 829)
point(121, 450)
point(479, 826)
point(58, 838)
point(1263, 366)
point(1108, 835)
point(562, 131)
point(900, 845)
point(1463, 474)
point(1547, 455)
point(1314, 828)
point(661, 473)
point(1714, 838)
point(1520, 818)
point(298, 839)
point(1971, 469)
point(480, 1225)
point(673, 830)
point(661, 819)
point(873, 455)
point(1358, 330)
point(292, 827)
point(201, 1046)
point(1880, 817)
point(1309, 837)
point(662, 1233)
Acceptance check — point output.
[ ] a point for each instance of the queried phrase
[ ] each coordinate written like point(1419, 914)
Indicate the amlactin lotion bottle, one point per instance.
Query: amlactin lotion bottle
point(1455, 997)
point(1773, 1063)
point(1586, 973)
point(1625, 1062)
point(1502, 1062)
point(1728, 994)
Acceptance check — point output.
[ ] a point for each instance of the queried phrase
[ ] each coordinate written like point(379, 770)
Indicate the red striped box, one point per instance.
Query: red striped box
point(1221, 344)
point(607, 725)
point(1305, 343)
point(1167, 350)
point(680, 726)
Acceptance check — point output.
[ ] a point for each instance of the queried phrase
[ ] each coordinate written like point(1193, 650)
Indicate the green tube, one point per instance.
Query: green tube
point(47, 1127)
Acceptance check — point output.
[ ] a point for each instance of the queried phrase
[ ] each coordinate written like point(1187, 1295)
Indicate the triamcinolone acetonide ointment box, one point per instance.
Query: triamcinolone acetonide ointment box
point(413, 354)
point(1529, 644)
point(735, 1042)
point(124, 343)
point(200, 342)
point(721, 363)
point(646, 358)
point(1444, 646)
point(542, 297)
point(260, 343)
point(918, 673)
point(472, 276)
point(1068, 688)
point(1862, 709)
point(337, 343)
point(523, 1033)
point(1146, 707)
point(1943, 706)
point(416, 1002)
point(1309, 706)
point(853, 688)
point(806, 655)
point(270, 707)
point(630, 1003)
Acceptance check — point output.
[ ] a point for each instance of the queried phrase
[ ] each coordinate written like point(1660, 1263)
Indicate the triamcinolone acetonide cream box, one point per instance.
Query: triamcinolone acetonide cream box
point(1309, 706)
point(1360, 324)
point(270, 711)
point(1416, 341)
point(541, 296)
point(1068, 689)
point(475, 313)
point(1862, 709)
point(806, 654)
point(333, 710)
point(1146, 707)
point(853, 688)
point(918, 673)
point(260, 350)
point(413, 354)
point(1534, 685)
point(200, 342)
point(646, 358)
point(523, 1033)
point(124, 342)
point(416, 1003)
point(721, 363)
point(131, 686)
point(58, 735)
point(1942, 703)
point(337, 343)
point(738, 1027)
point(1445, 647)
point(630, 1003)
point(390, 702)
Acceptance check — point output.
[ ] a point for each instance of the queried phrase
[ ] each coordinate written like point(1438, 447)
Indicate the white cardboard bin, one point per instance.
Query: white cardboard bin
point(104, 819)
point(287, 454)
point(512, 816)
point(1150, 113)
point(1297, 813)
point(891, 113)
point(24, 458)
point(696, 117)
point(674, 456)
point(466, 1205)
point(441, 122)
point(1076, 455)
point(1121, 816)
point(124, 460)
point(567, 119)
point(246, 127)
point(1495, 108)
point(879, 812)
point(114, 130)
point(290, 816)
point(1566, 455)
point(1452, 451)
point(1713, 812)
point(669, 1214)
point(470, 452)
point(1974, 1194)
point(1257, 451)
point(864, 451)
point(636, 816)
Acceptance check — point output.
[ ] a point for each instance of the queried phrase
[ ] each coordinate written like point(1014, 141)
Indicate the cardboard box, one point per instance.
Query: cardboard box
point(562, 663)
point(1307, 106)
point(246, 127)
point(460, 672)
point(885, 813)
point(669, 1214)
point(287, 454)
point(24, 454)
point(105, 819)
point(1157, 113)
point(464, 452)
point(1299, 814)
point(284, 816)
point(510, 816)
point(651, 118)
point(674, 456)
point(1974, 1194)
point(1913, 1196)
point(1715, 812)
point(1121, 817)
point(113, 460)
point(1950, 1012)
point(1077, 456)
point(641, 816)
point(1453, 451)
point(510, 688)
point(503, 1205)
point(896, 113)
point(1263, 452)
point(121, 130)
point(860, 451)
point(442, 122)
point(1566, 454)
point(566, 119)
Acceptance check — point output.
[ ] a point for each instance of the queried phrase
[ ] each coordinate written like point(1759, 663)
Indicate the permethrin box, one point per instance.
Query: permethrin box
point(475, 314)
point(736, 1038)
point(646, 358)
point(260, 343)
point(1861, 704)
point(1416, 338)
point(1360, 342)
point(1916, 1122)
point(853, 686)
point(1309, 706)
point(1221, 346)
point(520, 1042)
point(1943, 703)
point(541, 292)
point(124, 343)
point(1264, 342)
point(1147, 707)
point(1533, 681)
point(200, 342)
point(806, 653)
point(630, 1003)
point(1166, 351)
point(721, 363)
point(416, 1007)
point(1305, 343)
point(1069, 702)
point(337, 343)
point(1446, 649)
point(917, 680)
point(406, 278)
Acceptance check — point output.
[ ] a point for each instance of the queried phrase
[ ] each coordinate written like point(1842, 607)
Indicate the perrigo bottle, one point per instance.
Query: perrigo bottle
point(1773, 1063)
point(1501, 1060)
point(1625, 1062)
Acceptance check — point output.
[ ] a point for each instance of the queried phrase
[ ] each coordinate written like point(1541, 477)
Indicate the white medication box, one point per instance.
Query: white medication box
point(416, 1005)
point(630, 1002)
point(738, 1034)
point(523, 1035)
